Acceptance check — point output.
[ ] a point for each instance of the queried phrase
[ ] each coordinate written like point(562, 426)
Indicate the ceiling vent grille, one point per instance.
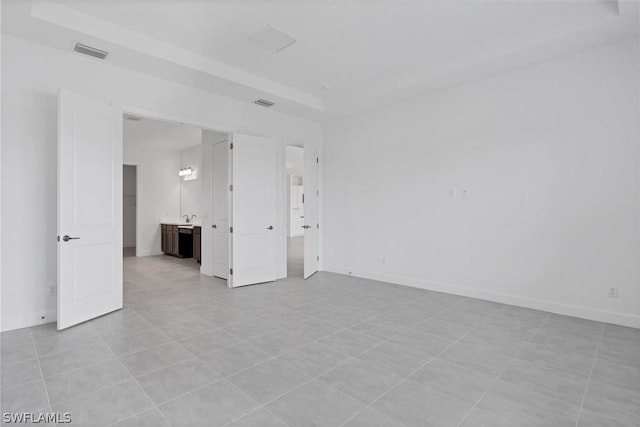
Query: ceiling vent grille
point(91, 51)
point(271, 39)
point(264, 103)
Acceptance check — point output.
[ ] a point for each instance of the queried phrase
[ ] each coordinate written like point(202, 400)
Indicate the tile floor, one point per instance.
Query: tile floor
point(295, 256)
point(130, 251)
point(330, 351)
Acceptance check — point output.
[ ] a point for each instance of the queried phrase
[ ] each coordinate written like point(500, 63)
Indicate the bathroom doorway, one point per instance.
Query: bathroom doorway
point(129, 209)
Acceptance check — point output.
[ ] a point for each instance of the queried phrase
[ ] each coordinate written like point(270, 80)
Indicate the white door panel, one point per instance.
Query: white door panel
point(89, 208)
point(253, 210)
point(221, 210)
point(310, 211)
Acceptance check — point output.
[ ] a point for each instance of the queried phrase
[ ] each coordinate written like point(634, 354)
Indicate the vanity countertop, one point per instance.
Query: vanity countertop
point(180, 223)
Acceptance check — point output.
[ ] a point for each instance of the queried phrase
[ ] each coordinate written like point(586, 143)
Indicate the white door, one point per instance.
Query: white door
point(89, 208)
point(254, 209)
point(310, 211)
point(220, 210)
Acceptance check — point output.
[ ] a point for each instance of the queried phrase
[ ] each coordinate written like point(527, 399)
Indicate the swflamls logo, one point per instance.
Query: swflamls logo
point(31, 417)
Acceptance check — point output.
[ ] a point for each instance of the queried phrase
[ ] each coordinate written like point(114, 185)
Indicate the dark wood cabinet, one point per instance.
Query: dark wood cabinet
point(197, 243)
point(163, 238)
point(176, 241)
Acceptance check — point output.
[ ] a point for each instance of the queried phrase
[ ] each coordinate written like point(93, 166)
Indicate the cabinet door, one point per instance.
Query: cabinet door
point(176, 241)
point(196, 243)
point(163, 238)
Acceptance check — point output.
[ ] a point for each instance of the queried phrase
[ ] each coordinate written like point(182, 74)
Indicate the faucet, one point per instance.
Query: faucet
point(186, 218)
point(194, 216)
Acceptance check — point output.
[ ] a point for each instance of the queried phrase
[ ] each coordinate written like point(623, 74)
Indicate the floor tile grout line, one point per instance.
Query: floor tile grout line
point(317, 377)
point(286, 309)
point(593, 365)
point(495, 381)
point(44, 383)
point(138, 384)
point(431, 359)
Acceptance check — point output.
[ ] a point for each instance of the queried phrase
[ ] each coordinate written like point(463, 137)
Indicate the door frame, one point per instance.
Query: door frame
point(281, 267)
point(285, 205)
point(138, 167)
point(167, 118)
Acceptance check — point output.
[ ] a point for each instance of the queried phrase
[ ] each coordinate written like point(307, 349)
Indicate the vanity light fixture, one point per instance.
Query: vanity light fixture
point(185, 171)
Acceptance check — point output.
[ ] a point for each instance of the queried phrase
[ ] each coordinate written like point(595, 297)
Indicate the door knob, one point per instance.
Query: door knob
point(214, 226)
point(66, 238)
point(270, 227)
point(306, 226)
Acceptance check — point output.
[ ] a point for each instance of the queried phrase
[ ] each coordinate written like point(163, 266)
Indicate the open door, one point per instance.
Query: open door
point(221, 210)
point(253, 212)
point(89, 208)
point(310, 211)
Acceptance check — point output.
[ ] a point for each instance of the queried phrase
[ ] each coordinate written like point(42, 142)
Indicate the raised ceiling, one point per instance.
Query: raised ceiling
point(366, 52)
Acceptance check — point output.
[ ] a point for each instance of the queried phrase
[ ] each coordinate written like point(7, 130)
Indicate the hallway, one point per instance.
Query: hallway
point(295, 256)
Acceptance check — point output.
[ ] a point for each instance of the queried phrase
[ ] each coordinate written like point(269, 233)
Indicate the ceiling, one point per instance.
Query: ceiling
point(365, 52)
point(151, 134)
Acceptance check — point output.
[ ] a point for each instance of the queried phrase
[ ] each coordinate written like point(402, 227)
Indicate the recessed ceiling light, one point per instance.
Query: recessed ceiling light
point(271, 39)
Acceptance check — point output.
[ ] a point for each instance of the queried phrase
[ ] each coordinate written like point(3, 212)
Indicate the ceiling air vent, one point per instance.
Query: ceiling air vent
point(264, 103)
point(132, 118)
point(271, 39)
point(91, 51)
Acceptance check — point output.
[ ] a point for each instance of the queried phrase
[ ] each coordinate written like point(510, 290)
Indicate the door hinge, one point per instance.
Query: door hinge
point(231, 146)
point(231, 271)
point(230, 229)
point(231, 187)
point(317, 225)
point(318, 258)
point(317, 192)
point(317, 160)
point(58, 238)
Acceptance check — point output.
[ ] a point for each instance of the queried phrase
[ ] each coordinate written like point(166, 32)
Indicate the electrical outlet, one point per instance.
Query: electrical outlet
point(613, 292)
point(383, 260)
point(464, 193)
point(452, 193)
point(52, 290)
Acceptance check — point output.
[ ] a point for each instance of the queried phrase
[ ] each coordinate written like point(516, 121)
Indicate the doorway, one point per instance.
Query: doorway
point(295, 210)
point(90, 218)
point(163, 191)
point(129, 209)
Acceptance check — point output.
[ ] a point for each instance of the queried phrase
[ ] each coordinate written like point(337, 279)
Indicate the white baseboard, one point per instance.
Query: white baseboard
point(536, 304)
point(150, 253)
point(28, 319)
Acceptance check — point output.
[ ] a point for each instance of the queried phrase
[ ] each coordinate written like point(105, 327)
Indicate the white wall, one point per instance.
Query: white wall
point(549, 156)
point(191, 191)
point(128, 206)
point(159, 192)
point(31, 76)
point(157, 147)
